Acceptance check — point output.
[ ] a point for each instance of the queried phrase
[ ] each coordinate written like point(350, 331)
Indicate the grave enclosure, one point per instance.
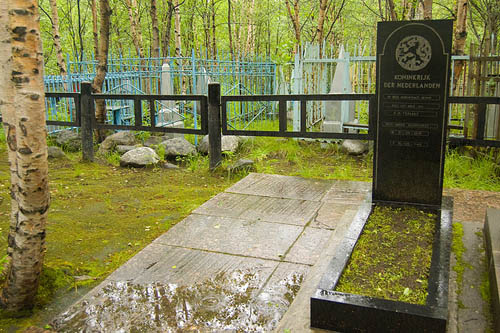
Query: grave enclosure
point(410, 137)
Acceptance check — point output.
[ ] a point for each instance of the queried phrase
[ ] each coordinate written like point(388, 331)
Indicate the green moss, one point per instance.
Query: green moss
point(458, 249)
point(392, 257)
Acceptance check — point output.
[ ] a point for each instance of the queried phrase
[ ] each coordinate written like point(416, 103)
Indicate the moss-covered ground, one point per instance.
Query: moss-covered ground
point(101, 214)
point(392, 257)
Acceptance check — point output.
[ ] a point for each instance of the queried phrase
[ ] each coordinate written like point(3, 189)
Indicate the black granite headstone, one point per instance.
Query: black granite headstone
point(413, 61)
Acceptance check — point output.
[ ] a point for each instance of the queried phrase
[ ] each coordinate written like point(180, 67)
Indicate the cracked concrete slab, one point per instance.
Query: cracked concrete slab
point(232, 236)
point(309, 246)
point(282, 187)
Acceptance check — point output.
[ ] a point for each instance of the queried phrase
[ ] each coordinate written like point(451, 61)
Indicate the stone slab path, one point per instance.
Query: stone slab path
point(236, 263)
point(248, 260)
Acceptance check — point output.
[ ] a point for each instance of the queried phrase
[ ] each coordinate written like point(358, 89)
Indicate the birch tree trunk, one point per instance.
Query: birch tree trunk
point(460, 39)
point(231, 48)
point(214, 42)
point(95, 33)
point(251, 28)
point(427, 9)
point(294, 16)
point(155, 30)
point(321, 21)
point(177, 30)
point(9, 119)
point(61, 64)
point(168, 28)
point(102, 66)
point(392, 10)
point(135, 29)
point(26, 75)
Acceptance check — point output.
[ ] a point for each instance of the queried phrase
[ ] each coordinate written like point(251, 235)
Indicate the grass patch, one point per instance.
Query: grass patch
point(481, 172)
point(392, 257)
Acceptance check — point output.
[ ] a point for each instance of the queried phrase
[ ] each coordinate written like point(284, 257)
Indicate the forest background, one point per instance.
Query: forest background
point(240, 29)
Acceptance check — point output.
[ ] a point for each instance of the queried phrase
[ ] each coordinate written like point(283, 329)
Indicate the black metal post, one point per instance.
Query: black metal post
point(214, 126)
point(481, 121)
point(86, 122)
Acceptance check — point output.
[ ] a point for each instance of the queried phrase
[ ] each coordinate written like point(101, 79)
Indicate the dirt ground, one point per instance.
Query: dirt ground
point(470, 205)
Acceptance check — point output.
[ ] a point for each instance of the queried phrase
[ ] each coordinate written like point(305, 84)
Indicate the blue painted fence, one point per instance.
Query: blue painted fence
point(185, 75)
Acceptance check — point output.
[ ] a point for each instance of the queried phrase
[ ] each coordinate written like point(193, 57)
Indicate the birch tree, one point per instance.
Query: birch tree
point(102, 66)
point(155, 45)
point(294, 17)
point(61, 64)
point(23, 105)
point(135, 28)
point(460, 39)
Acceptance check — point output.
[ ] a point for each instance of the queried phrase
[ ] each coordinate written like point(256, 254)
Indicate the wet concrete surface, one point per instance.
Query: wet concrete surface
point(236, 263)
point(249, 260)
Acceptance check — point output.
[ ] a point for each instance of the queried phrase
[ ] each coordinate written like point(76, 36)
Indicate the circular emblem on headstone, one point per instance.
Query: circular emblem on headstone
point(413, 52)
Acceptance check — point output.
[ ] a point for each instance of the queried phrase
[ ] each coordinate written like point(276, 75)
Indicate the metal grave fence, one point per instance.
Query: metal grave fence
point(166, 76)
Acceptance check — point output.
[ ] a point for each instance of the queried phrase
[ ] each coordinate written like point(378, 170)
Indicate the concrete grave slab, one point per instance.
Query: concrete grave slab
point(335, 196)
point(227, 204)
point(289, 211)
point(331, 214)
point(309, 246)
point(281, 187)
point(204, 290)
point(351, 186)
point(281, 289)
point(160, 263)
point(232, 236)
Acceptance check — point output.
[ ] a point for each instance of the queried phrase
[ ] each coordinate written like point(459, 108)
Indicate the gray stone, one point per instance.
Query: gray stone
point(279, 186)
point(282, 210)
point(331, 214)
point(139, 157)
point(232, 236)
point(227, 204)
point(242, 165)
point(69, 140)
point(229, 143)
point(55, 152)
point(166, 165)
point(354, 147)
point(308, 248)
point(472, 317)
point(297, 318)
point(178, 147)
point(266, 209)
point(155, 140)
point(122, 149)
point(123, 138)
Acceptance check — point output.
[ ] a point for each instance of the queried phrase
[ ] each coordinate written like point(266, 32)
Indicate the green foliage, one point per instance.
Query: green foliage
point(113, 158)
point(160, 150)
point(479, 173)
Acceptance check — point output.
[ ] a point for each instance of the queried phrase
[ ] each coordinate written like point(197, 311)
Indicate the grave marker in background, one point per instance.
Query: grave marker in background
point(413, 61)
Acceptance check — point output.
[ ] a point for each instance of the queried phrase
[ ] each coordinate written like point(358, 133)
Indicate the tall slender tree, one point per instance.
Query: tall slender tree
point(102, 66)
point(28, 152)
point(61, 63)
point(155, 45)
point(460, 39)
